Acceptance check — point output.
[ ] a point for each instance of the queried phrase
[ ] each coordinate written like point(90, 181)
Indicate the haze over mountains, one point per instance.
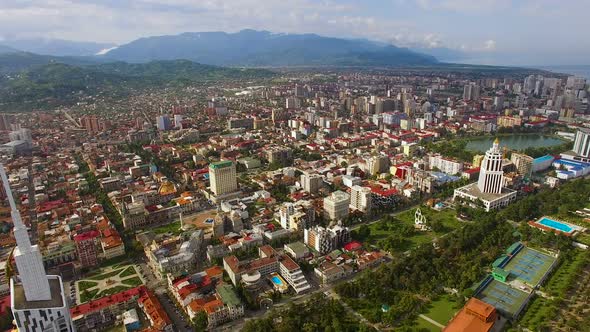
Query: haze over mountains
point(247, 48)
point(263, 48)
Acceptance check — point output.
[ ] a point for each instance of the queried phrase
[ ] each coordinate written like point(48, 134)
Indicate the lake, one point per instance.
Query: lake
point(514, 142)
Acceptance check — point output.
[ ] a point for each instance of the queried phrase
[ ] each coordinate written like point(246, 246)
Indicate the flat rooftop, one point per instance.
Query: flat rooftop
point(56, 301)
point(473, 190)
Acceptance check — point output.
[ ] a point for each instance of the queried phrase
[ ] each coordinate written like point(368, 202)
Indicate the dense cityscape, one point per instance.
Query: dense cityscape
point(289, 182)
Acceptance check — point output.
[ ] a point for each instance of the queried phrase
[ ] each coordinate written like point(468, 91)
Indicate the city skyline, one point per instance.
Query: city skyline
point(488, 32)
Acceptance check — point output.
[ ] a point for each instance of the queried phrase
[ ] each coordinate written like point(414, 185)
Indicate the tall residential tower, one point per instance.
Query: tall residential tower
point(38, 300)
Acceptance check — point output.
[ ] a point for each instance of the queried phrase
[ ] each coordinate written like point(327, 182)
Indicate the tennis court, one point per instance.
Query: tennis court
point(529, 266)
point(504, 298)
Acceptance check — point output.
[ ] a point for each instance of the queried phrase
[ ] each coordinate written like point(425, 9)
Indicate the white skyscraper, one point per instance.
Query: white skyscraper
point(38, 300)
point(491, 176)
point(582, 143)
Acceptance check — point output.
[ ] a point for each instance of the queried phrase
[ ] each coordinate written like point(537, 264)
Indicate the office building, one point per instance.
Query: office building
point(222, 177)
point(38, 301)
point(336, 205)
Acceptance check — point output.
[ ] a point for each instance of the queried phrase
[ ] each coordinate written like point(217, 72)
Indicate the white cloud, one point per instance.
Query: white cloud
point(489, 45)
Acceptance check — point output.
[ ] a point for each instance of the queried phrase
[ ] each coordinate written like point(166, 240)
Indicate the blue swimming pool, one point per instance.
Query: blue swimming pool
point(556, 225)
point(276, 280)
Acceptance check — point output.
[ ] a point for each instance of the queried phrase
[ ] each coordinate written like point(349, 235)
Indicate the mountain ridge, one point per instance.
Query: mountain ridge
point(252, 48)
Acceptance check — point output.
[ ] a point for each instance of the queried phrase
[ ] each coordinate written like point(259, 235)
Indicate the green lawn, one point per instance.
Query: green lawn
point(442, 309)
point(173, 228)
point(382, 229)
point(129, 271)
point(133, 282)
point(88, 295)
point(84, 285)
point(422, 324)
point(113, 290)
point(105, 275)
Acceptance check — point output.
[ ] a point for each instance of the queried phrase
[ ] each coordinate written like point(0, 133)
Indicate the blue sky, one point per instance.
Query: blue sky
point(490, 31)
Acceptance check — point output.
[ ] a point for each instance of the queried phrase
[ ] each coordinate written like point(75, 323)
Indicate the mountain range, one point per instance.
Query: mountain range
point(266, 49)
point(246, 48)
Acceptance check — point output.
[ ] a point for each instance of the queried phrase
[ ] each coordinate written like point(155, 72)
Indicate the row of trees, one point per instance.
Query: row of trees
point(317, 314)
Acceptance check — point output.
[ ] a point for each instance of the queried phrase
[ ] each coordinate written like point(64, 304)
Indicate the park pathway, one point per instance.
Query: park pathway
point(430, 320)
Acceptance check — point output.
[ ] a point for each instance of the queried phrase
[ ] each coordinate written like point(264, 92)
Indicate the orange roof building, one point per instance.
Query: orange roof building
point(475, 316)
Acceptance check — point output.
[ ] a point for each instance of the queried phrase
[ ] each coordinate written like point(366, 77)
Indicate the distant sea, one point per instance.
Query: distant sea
point(578, 70)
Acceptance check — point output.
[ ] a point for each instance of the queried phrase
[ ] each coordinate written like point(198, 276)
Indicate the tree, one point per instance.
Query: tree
point(200, 322)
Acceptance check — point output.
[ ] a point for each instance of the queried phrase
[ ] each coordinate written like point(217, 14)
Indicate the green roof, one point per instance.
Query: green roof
point(500, 274)
point(513, 247)
point(498, 261)
point(221, 164)
point(228, 296)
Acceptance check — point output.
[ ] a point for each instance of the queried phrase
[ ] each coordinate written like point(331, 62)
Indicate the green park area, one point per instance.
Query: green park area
point(173, 228)
point(107, 281)
point(397, 232)
point(440, 310)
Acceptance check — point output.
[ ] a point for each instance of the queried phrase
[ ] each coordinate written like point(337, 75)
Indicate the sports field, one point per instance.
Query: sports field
point(503, 297)
point(529, 265)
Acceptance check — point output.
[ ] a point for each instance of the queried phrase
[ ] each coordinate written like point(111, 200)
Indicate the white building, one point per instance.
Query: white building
point(582, 143)
point(38, 301)
point(222, 177)
point(336, 205)
point(445, 165)
point(360, 198)
point(489, 189)
point(311, 183)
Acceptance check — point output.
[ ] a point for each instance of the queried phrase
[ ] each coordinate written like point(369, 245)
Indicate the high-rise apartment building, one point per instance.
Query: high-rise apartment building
point(38, 301)
point(91, 124)
point(360, 198)
point(311, 183)
point(163, 122)
point(325, 240)
point(582, 142)
point(523, 163)
point(222, 177)
point(336, 205)
point(86, 248)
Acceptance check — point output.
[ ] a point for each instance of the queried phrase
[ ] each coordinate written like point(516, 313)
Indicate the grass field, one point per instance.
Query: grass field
point(84, 285)
point(422, 324)
point(108, 281)
point(442, 309)
point(446, 219)
point(173, 228)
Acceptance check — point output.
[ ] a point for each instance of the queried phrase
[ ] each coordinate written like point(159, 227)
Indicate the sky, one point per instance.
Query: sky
point(519, 32)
